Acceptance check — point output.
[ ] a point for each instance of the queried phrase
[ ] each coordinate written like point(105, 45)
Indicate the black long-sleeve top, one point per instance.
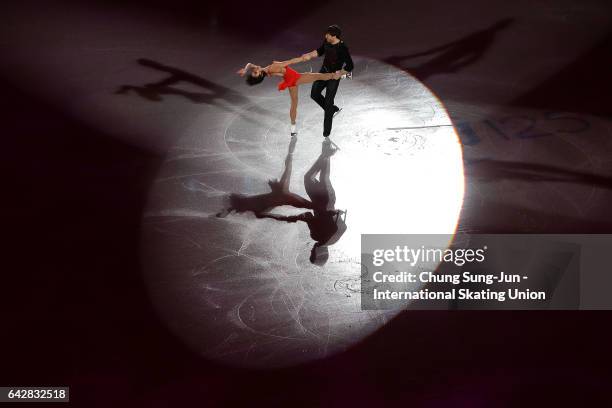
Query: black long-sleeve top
point(337, 57)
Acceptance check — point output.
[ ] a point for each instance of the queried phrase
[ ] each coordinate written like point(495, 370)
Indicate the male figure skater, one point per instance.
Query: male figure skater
point(337, 57)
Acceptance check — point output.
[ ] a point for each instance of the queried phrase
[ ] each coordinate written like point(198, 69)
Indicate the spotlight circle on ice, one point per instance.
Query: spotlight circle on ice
point(242, 290)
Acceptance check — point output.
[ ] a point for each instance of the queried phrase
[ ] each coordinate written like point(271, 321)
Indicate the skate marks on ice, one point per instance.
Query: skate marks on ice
point(241, 289)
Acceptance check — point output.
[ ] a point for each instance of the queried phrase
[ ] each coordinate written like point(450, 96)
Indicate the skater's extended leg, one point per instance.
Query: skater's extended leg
point(324, 179)
point(286, 176)
point(312, 172)
point(309, 77)
point(329, 107)
point(317, 190)
point(293, 93)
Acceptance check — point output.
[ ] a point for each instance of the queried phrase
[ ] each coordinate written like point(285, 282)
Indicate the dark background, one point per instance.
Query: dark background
point(75, 310)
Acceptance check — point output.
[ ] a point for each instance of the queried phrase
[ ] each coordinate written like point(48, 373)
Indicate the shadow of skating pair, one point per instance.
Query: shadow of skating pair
point(326, 223)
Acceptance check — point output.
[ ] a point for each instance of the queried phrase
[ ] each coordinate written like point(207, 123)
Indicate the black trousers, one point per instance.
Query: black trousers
point(327, 102)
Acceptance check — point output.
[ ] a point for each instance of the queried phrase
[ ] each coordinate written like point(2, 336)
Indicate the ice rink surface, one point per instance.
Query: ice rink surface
point(242, 289)
point(127, 128)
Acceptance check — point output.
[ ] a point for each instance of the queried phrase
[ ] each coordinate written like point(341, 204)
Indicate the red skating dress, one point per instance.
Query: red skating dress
point(289, 79)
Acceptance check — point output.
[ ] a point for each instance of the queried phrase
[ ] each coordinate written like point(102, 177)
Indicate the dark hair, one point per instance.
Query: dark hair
point(251, 80)
point(319, 254)
point(334, 30)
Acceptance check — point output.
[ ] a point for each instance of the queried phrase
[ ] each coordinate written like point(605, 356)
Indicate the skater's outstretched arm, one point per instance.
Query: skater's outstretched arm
point(310, 55)
point(242, 71)
point(314, 53)
point(272, 69)
point(292, 61)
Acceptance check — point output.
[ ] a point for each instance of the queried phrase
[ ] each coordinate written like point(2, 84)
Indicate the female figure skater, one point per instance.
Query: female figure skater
point(291, 79)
